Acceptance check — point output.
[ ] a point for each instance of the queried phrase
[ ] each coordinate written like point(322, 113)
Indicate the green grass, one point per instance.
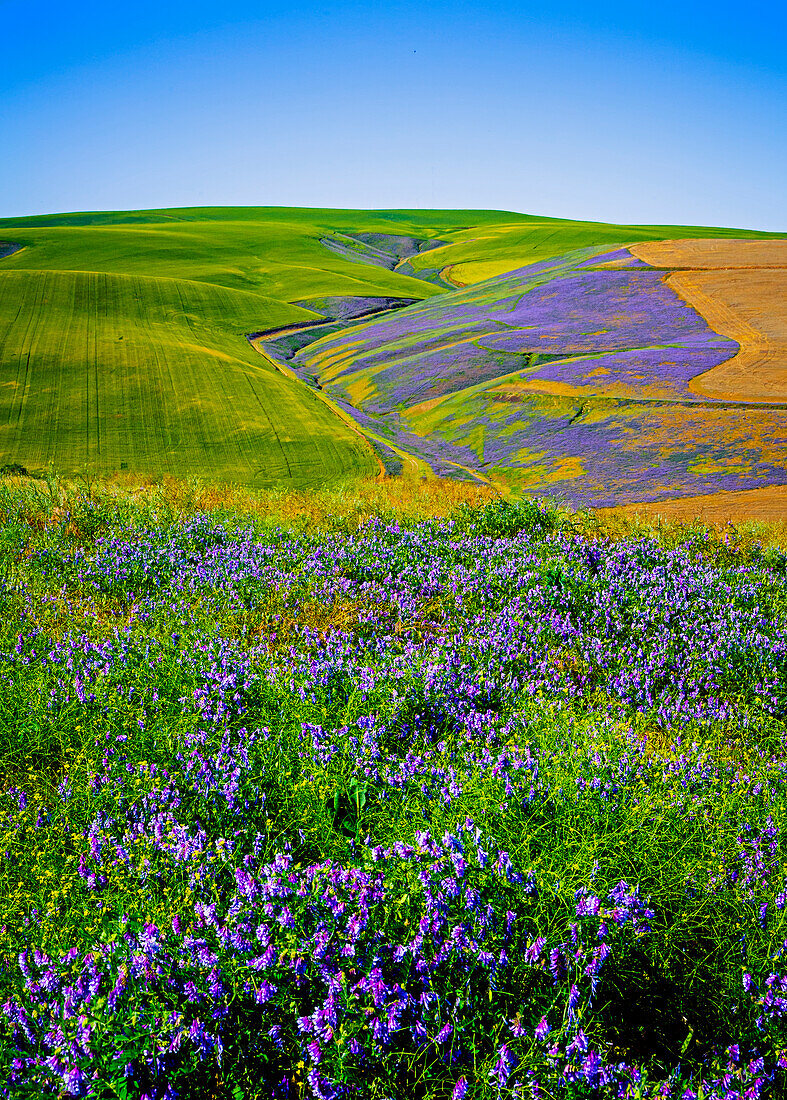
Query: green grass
point(276, 252)
point(122, 334)
point(524, 240)
point(122, 342)
point(177, 661)
point(154, 375)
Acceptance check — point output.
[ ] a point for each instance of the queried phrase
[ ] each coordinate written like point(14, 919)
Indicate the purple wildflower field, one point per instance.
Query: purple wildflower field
point(487, 806)
point(556, 308)
point(659, 373)
point(620, 256)
point(566, 376)
point(615, 453)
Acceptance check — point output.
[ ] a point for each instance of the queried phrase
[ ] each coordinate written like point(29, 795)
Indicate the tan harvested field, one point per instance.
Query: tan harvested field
point(713, 253)
point(751, 308)
point(768, 505)
point(740, 288)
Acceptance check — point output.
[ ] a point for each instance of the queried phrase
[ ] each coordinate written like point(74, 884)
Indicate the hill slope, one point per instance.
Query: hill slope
point(112, 371)
point(122, 335)
point(584, 374)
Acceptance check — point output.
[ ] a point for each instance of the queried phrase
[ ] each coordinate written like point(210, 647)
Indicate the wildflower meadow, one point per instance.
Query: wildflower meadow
point(481, 801)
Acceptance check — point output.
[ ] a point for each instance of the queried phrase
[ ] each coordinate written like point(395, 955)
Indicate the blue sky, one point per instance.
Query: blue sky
point(634, 112)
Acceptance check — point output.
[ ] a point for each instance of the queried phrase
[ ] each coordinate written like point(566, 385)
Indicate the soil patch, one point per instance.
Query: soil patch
point(768, 505)
point(751, 308)
point(712, 254)
point(740, 288)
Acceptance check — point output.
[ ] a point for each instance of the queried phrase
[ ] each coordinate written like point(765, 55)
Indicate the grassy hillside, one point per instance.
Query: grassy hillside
point(122, 335)
point(276, 252)
point(122, 344)
point(111, 372)
point(491, 249)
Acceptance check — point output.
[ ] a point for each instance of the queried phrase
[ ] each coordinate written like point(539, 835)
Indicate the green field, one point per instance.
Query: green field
point(105, 372)
point(491, 249)
point(123, 335)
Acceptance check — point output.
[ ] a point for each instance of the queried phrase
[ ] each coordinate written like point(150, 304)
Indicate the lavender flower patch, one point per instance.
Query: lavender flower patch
point(612, 452)
point(559, 309)
point(618, 256)
point(608, 311)
point(351, 811)
point(355, 355)
point(444, 458)
point(438, 317)
point(407, 381)
point(644, 372)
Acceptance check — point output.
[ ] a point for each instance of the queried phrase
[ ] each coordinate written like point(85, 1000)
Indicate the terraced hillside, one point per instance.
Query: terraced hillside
point(123, 341)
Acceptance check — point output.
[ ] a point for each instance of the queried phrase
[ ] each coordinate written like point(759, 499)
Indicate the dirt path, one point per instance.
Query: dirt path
point(740, 288)
point(413, 466)
point(448, 277)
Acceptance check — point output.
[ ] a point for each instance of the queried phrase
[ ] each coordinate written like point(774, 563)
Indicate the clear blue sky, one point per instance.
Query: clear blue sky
point(620, 111)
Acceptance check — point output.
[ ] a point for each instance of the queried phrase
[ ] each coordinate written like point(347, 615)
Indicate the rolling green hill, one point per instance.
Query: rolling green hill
point(492, 249)
point(154, 375)
point(122, 344)
point(123, 335)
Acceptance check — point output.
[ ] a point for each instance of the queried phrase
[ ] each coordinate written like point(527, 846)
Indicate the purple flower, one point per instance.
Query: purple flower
point(73, 1079)
point(542, 1029)
point(460, 1089)
point(504, 1066)
point(246, 884)
point(534, 950)
point(557, 964)
point(517, 1027)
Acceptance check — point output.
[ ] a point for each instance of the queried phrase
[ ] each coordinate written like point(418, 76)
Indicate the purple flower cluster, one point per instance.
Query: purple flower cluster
point(610, 453)
point(565, 376)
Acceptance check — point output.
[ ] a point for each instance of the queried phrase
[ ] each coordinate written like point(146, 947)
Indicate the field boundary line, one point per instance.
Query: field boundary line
point(288, 372)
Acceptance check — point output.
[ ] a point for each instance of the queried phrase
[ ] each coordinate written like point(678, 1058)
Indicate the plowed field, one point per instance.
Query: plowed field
point(712, 253)
point(768, 504)
point(740, 288)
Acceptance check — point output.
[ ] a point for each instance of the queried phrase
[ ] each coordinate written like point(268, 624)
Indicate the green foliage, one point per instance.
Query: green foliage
point(504, 519)
point(518, 240)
